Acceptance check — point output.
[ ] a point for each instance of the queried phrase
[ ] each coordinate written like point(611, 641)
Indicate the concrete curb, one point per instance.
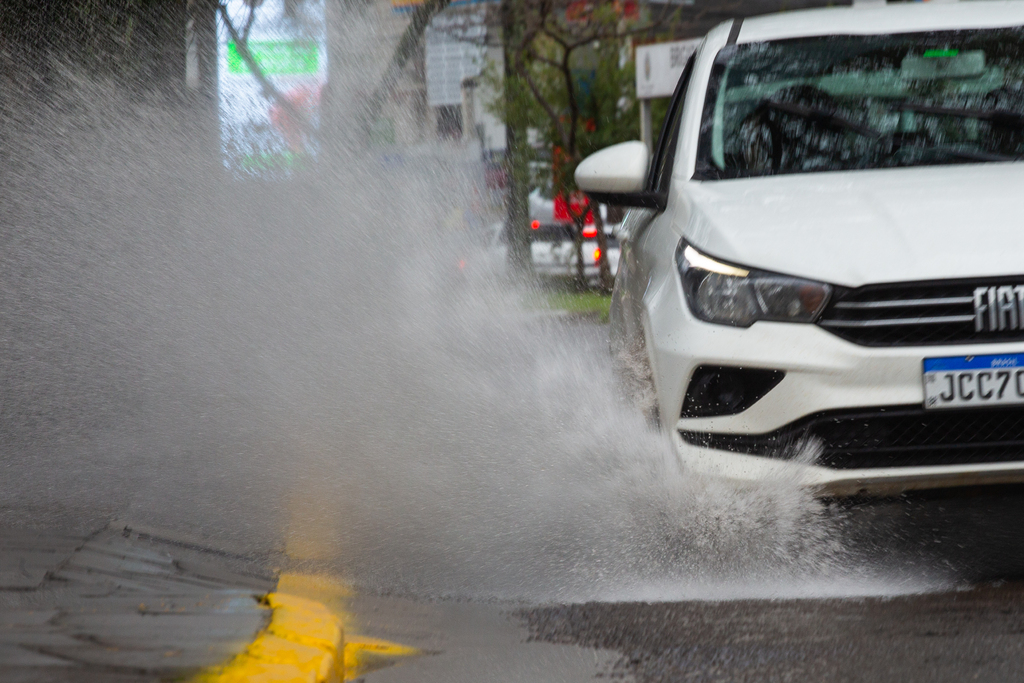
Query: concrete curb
point(304, 643)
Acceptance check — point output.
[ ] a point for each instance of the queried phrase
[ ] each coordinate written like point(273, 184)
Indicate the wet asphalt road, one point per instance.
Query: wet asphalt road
point(122, 606)
point(972, 629)
point(970, 541)
point(112, 603)
point(969, 635)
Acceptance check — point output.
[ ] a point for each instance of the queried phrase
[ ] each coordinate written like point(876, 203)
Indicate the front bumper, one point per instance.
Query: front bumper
point(826, 482)
point(823, 373)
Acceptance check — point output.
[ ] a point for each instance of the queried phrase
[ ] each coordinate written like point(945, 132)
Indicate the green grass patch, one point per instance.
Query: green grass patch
point(581, 302)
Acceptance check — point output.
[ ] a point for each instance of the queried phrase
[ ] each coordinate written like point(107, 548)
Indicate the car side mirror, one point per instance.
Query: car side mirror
point(617, 175)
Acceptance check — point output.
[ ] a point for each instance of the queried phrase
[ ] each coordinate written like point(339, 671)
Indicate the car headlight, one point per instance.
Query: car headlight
point(730, 295)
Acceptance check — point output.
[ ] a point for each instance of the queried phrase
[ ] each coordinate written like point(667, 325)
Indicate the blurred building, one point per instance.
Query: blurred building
point(463, 60)
point(440, 94)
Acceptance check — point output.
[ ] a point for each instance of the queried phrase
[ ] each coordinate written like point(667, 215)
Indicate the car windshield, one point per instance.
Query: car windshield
point(834, 103)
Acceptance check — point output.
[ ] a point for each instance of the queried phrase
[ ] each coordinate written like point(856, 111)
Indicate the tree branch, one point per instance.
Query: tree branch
point(269, 91)
point(249, 22)
point(542, 101)
point(574, 108)
point(403, 51)
point(545, 60)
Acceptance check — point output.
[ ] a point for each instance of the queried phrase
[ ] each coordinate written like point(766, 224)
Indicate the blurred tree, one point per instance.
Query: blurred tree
point(240, 37)
point(139, 43)
point(575, 60)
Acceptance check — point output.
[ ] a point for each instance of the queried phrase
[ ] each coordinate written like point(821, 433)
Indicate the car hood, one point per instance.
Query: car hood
point(860, 227)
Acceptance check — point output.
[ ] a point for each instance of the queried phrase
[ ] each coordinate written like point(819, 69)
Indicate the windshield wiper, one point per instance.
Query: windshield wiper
point(822, 116)
point(973, 155)
point(983, 156)
point(1000, 117)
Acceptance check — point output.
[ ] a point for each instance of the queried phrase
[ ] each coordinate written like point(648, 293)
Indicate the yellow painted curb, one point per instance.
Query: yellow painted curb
point(363, 655)
point(304, 643)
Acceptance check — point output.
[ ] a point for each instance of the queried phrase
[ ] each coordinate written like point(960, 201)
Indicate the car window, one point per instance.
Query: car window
point(850, 102)
point(551, 232)
point(665, 151)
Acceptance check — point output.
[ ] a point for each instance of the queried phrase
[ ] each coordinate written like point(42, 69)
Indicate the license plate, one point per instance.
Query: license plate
point(974, 381)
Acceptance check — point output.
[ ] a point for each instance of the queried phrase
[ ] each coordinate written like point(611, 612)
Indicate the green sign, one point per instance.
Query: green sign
point(940, 54)
point(277, 57)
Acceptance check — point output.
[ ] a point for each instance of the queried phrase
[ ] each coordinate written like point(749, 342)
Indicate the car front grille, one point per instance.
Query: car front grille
point(888, 437)
point(924, 314)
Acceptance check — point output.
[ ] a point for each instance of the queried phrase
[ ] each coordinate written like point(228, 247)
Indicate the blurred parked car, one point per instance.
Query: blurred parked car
point(551, 244)
point(554, 255)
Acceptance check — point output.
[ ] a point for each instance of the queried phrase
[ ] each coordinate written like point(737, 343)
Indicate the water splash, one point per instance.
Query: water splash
point(303, 367)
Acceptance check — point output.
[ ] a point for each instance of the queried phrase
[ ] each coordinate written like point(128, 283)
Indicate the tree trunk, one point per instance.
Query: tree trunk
point(604, 278)
point(517, 167)
point(580, 278)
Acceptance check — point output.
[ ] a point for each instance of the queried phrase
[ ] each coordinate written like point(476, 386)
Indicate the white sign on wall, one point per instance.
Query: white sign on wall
point(659, 66)
point(455, 49)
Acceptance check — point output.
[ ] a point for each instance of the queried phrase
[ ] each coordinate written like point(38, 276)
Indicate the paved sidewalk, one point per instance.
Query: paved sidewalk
point(120, 606)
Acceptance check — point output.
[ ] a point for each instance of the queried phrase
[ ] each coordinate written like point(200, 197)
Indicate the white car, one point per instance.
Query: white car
point(824, 271)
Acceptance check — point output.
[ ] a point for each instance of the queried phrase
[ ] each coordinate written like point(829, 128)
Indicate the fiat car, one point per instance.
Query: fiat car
point(822, 272)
